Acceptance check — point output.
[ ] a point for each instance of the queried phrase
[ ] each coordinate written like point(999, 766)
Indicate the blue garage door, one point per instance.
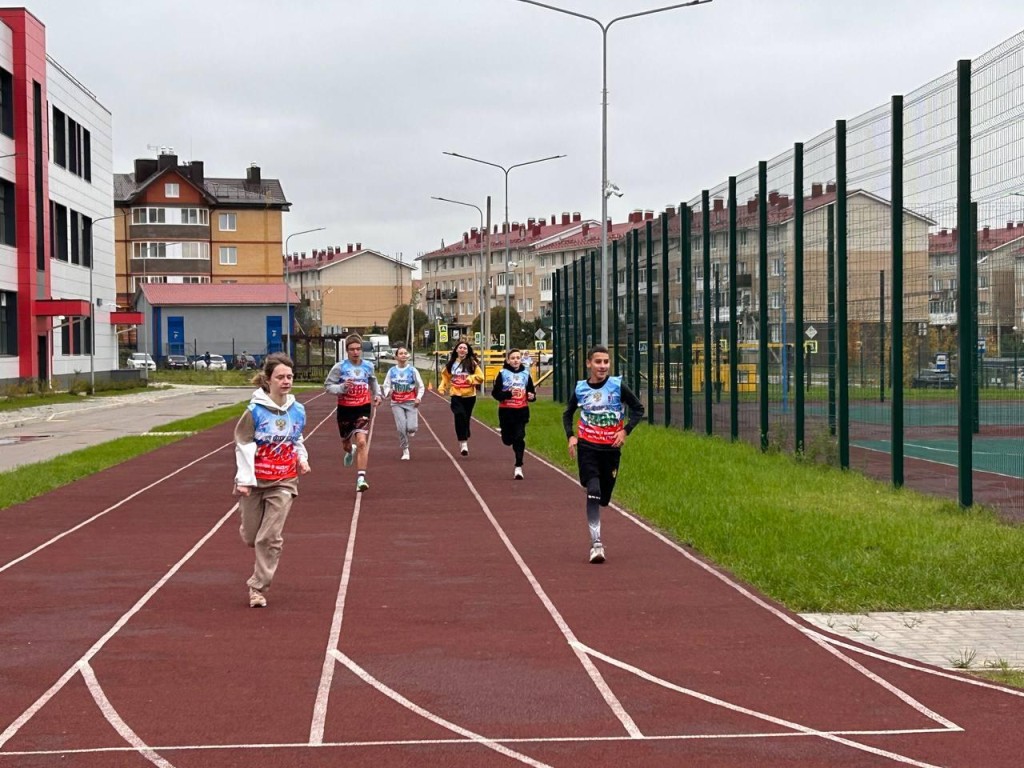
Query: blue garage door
point(273, 333)
point(175, 335)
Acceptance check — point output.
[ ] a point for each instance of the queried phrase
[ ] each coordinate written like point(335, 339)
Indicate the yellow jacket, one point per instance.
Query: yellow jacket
point(466, 386)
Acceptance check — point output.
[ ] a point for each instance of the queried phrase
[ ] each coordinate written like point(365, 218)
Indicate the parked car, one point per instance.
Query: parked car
point(932, 379)
point(177, 362)
point(217, 363)
point(140, 360)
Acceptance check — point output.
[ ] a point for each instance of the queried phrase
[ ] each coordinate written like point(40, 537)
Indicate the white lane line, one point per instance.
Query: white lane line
point(112, 717)
point(917, 666)
point(599, 682)
point(814, 638)
point(682, 737)
point(111, 508)
point(54, 689)
point(323, 691)
point(394, 695)
point(759, 715)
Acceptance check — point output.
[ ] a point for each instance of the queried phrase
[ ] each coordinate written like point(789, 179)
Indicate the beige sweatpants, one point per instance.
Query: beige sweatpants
point(263, 513)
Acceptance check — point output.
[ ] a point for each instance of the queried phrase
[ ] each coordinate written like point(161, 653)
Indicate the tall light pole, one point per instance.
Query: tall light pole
point(607, 188)
point(288, 288)
point(92, 302)
point(508, 232)
point(484, 305)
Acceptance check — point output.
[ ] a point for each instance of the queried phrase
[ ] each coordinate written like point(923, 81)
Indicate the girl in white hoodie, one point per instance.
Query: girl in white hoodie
point(270, 455)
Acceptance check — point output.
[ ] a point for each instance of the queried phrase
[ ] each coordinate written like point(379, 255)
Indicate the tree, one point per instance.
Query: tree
point(398, 324)
point(521, 334)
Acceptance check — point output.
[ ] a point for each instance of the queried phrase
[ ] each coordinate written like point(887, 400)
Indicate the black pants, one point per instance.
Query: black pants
point(600, 463)
point(462, 407)
point(513, 430)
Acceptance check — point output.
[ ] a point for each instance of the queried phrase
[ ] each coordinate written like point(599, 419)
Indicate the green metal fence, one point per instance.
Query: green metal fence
point(858, 299)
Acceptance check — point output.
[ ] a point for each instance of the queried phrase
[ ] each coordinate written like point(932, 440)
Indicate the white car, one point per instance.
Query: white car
point(140, 360)
point(217, 363)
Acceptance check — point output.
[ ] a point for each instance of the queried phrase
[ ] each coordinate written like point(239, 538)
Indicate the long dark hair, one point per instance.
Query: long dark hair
point(468, 364)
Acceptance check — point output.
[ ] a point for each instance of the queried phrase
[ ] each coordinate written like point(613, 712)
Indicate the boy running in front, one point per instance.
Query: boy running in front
point(603, 428)
point(355, 384)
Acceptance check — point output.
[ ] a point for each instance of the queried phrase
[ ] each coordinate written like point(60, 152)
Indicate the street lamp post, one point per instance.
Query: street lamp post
point(92, 303)
point(481, 288)
point(288, 288)
point(606, 187)
point(508, 232)
point(510, 272)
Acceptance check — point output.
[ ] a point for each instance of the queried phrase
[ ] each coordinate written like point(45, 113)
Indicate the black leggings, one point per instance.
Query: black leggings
point(462, 407)
point(513, 430)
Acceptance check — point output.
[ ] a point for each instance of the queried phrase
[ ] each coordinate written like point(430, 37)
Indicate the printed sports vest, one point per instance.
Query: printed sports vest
point(276, 435)
point(514, 382)
point(403, 384)
point(357, 383)
point(601, 411)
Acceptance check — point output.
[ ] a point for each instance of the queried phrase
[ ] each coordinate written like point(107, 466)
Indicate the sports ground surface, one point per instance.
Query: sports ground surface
point(447, 617)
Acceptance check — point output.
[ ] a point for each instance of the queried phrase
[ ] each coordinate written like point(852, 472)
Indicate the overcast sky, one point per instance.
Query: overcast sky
point(351, 104)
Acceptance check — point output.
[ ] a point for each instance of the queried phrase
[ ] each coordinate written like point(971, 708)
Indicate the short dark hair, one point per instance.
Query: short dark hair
point(595, 349)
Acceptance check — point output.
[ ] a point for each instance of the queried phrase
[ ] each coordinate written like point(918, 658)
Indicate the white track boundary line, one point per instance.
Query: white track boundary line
point(460, 741)
point(54, 689)
point(595, 675)
point(754, 713)
point(394, 695)
point(112, 717)
point(784, 617)
point(323, 691)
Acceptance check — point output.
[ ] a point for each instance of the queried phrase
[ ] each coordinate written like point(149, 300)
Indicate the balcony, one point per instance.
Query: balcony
point(449, 295)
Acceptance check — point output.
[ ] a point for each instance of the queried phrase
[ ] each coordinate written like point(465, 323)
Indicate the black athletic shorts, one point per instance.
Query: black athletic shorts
point(352, 419)
point(601, 463)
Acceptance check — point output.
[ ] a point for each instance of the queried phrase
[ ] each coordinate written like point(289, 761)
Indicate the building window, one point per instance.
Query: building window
point(6, 103)
point(171, 189)
point(8, 323)
point(195, 216)
point(60, 149)
point(7, 236)
point(228, 255)
point(228, 222)
point(59, 231)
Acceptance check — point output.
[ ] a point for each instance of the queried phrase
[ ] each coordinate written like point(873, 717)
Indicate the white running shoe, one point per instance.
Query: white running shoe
point(518, 474)
point(597, 554)
point(361, 484)
point(464, 447)
point(350, 455)
point(405, 454)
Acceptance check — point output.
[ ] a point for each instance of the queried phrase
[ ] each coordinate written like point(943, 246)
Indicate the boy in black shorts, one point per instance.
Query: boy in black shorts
point(355, 384)
point(603, 401)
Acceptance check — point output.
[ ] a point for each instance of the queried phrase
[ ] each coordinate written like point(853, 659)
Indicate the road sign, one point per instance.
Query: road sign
point(476, 338)
point(442, 331)
point(539, 345)
point(539, 334)
point(455, 334)
point(501, 341)
point(981, 344)
point(642, 346)
point(811, 347)
point(811, 332)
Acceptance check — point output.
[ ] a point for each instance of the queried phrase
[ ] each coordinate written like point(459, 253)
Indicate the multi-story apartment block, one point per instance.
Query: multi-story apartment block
point(176, 225)
point(58, 313)
point(351, 290)
point(458, 280)
point(1000, 302)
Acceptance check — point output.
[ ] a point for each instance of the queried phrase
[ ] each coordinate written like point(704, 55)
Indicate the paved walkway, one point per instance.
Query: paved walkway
point(950, 639)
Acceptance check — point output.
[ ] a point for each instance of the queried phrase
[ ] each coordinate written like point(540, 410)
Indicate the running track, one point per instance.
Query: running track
point(447, 617)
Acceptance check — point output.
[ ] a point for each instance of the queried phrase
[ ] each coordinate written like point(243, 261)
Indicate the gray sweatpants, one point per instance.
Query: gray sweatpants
point(263, 513)
point(406, 422)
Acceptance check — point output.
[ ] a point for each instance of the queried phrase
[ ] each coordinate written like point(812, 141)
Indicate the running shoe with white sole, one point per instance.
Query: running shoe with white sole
point(350, 455)
point(361, 484)
point(405, 455)
point(518, 474)
point(597, 554)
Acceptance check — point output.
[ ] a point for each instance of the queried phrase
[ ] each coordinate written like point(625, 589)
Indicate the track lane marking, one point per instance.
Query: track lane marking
point(595, 675)
point(475, 738)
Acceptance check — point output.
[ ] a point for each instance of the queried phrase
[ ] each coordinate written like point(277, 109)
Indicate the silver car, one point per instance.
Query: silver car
point(140, 360)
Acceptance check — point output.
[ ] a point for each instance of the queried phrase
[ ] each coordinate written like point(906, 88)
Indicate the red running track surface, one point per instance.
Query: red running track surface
point(447, 617)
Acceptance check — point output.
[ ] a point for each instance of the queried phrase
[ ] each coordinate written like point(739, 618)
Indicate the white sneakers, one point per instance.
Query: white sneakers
point(597, 554)
point(350, 455)
point(518, 474)
point(405, 454)
point(256, 599)
point(464, 447)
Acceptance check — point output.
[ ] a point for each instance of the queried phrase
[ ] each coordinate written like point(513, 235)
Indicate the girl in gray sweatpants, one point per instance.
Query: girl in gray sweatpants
point(404, 386)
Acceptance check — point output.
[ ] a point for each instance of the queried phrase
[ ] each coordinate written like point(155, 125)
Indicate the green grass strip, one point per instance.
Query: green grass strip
point(815, 538)
point(31, 480)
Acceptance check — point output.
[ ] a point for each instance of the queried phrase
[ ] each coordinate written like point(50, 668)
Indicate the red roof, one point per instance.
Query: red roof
point(945, 241)
point(592, 238)
point(209, 294)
